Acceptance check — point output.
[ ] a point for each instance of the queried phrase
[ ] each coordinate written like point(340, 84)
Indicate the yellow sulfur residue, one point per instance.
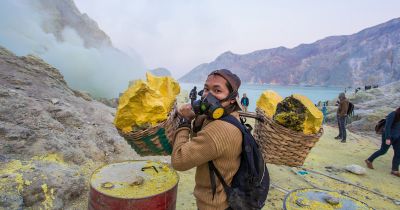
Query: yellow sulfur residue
point(20, 181)
point(49, 197)
point(146, 103)
point(55, 158)
point(14, 167)
point(134, 179)
point(314, 116)
point(268, 101)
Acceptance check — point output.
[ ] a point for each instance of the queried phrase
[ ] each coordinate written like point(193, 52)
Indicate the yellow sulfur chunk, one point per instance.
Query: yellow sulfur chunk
point(146, 103)
point(299, 113)
point(314, 116)
point(268, 101)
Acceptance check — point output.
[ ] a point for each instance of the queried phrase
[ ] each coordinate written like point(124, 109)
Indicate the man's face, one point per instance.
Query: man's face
point(216, 85)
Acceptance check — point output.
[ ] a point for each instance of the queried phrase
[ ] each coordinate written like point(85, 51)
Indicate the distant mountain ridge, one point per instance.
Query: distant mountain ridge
point(161, 72)
point(371, 56)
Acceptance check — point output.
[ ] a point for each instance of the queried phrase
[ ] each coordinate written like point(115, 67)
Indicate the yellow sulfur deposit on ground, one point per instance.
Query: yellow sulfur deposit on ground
point(54, 158)
point(146, 103)
point(15, 169)
point(49, 197)
point(268, 101)
point(121, 179)
point(299, 113)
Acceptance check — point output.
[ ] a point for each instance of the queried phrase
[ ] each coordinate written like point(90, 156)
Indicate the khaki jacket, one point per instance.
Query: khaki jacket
point(218, 141)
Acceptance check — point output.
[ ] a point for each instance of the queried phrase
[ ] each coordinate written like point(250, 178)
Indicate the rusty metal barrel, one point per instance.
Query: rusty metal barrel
point(137, 184)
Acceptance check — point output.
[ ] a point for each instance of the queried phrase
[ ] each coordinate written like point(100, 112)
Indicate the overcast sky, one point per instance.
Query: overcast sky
point(181, 34)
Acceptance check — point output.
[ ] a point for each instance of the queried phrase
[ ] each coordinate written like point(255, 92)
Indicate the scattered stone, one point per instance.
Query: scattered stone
point(54, 101)
point(333, 169)
point(356, 169)
point(332, 200)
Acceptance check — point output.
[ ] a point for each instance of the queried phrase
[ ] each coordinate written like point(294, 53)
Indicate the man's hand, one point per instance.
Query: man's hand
point(387, 141)
point(186, 112)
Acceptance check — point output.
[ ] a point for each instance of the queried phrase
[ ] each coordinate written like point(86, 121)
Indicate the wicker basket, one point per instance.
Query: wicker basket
point(154, 140)
point(280, 145)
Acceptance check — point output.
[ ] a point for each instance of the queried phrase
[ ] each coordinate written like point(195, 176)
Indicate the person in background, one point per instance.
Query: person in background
point(199, 139)
point(343, 104)
point(193, 95)
point(200, 93)
point(245, 102)
point(390, 136)
point(324, 112)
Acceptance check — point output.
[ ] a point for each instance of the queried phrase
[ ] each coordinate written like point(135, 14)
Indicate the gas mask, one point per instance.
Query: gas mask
point(210, 106)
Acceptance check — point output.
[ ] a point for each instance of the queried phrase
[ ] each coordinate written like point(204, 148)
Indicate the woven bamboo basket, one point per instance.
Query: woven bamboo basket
point(154, 140)
point(281, 145)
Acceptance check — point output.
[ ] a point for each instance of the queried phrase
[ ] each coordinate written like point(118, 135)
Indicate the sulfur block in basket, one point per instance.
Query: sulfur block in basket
point(299, 113)
point(146, 103)
point(268, 101)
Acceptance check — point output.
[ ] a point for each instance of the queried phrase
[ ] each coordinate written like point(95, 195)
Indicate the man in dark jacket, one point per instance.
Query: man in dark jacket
point(390, 136)
point(193, 95)
point(342, 116)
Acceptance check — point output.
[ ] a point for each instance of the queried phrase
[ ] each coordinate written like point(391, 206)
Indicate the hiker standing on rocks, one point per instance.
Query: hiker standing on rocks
point(193, 95)
point(210, 140)
point(342, 116)
point(324, 112)
point(390, 136)
point(244, 102)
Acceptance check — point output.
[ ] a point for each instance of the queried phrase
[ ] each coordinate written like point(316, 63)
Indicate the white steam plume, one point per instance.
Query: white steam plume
point(102, 71)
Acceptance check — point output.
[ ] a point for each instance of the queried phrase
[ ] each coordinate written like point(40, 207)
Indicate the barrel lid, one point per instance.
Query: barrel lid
point(321, 199)
point(134, 179)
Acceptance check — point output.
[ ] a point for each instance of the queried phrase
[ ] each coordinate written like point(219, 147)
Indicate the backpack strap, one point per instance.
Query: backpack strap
point(246, 143)
point(234, 121)
point(213, 170)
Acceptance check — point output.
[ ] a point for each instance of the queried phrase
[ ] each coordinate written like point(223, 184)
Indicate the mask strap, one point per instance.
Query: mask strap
point(230, 96)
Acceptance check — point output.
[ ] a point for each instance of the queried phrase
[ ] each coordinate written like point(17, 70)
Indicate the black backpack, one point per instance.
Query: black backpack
point(380, 126)
point(350, 110)
point(250, 184)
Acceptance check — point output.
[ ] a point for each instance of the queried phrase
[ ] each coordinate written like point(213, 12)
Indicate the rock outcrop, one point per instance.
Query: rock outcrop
point(51, 136)
point(62, 14)
point(369, 107)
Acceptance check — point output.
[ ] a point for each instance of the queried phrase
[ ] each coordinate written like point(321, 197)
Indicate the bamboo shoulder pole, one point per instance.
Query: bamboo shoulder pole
point(251, 115)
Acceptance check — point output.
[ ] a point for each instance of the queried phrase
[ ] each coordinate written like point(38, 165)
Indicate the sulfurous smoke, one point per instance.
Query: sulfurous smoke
point(58, 33)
